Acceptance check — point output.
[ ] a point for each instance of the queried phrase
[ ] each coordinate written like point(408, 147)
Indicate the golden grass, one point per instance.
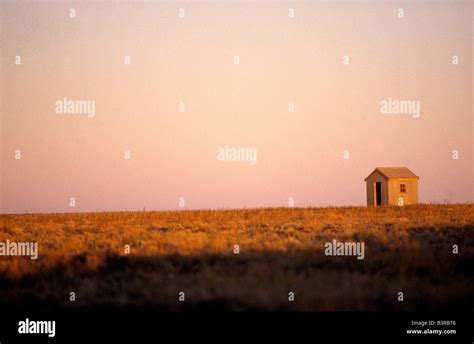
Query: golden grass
point(408, 249)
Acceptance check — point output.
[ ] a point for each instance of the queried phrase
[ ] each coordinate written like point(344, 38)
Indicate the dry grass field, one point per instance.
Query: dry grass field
point(408, 249)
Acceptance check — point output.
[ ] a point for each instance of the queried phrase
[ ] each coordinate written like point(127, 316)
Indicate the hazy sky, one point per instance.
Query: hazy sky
point(191, 60)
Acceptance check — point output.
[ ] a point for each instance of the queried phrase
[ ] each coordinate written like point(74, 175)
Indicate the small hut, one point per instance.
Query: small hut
point(392, 186)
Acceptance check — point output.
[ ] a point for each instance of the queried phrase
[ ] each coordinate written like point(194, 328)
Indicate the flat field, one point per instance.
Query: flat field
point(280, 251)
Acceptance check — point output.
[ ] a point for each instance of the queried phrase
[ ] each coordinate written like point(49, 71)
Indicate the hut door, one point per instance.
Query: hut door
point(378, 193)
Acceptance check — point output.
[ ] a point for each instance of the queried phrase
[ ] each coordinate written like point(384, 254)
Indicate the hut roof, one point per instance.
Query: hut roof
point(394, 172)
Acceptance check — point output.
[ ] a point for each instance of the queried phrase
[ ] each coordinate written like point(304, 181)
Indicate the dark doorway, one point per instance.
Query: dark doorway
point(378, 193)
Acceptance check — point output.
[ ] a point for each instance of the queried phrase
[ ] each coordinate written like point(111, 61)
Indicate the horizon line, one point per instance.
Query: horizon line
point(234, 209)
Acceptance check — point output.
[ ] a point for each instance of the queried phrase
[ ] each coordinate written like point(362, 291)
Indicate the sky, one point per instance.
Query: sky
point(298, 83)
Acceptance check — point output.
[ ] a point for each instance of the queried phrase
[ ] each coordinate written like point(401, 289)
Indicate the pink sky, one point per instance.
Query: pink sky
point(191, 60)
